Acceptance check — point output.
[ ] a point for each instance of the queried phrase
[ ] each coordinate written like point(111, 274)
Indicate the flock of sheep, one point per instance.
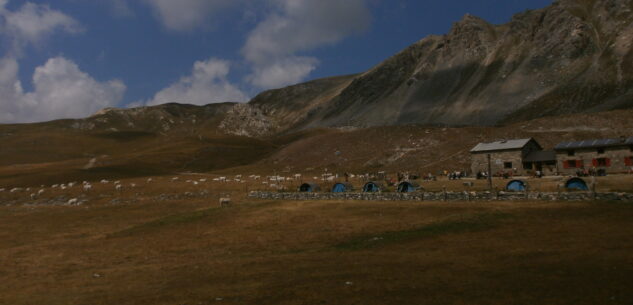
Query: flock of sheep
point(273, 181)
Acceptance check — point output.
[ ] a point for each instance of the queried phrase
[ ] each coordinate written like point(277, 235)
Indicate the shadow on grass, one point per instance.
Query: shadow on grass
point(474, 223)
point(170, 220)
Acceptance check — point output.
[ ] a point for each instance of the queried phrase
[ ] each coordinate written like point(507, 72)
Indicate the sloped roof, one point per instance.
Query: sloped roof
point(501, 145)
point(594, 143)
point(541, 156)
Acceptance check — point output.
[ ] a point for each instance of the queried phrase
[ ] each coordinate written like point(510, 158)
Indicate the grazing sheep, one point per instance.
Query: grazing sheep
point(15, 189)
point(256, 177)
point(117, 182)
point(54, 186)
point(72, 201)
point(40, 192)
point(33, 196)
point(132, 185)
point(105, 181)
point(1, 190)
point(87, 187)
point(225, 201)
point(174, 179)
point(222, 179)
point(71, 184)
point(118, 187)
point(238, 177)
point(216, 179)
point(203, 180)
point(63, 187)
point(149, 180)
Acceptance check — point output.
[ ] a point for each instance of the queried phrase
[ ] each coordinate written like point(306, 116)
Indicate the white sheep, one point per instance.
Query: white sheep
point(117, 182)
point(87, 187)
point(174, 179)
point(149, 180)
point(105, 181)
point(132, 185)
point(40, 192)
point(15, 189)
point(257, 177)
point(118, 187)
point(195, 182)
point(71, 184)
point(223, 179)
point(216, 179)
point(1, 190)
point(203, 180)
point(54, 186)
point(33, 196)
point(72, 201)
point(225, 201)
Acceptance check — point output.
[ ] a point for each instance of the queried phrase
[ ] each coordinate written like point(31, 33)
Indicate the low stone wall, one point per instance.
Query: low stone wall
point(446, 196)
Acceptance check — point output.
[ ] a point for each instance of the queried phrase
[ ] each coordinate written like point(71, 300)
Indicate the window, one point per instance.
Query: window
point(572, 163)
point(527, 165)
point(603, 162)
point(571, 153)
point(601, 150)
point(507, 165)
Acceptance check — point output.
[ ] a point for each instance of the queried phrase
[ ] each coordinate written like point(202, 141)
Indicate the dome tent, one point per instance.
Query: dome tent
point(309, 188)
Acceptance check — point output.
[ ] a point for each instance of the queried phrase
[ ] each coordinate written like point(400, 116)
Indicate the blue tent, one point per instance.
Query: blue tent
point(516, 186)
point(371, 187)
point(576, 184)
point(342, 188)
point(407, 187)
point(309, 188)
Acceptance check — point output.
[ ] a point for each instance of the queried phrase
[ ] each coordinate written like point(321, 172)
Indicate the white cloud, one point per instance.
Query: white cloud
point(61, 90)
point(181, 15)
point(33, 23)
point(296, 26)
point(207, 84)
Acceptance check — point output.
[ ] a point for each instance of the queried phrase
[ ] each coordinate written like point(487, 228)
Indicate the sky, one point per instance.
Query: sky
point(71, 58)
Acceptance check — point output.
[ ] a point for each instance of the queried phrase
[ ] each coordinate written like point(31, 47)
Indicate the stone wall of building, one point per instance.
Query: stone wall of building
point(616, 155)
point(497, 161)
point(446, 196)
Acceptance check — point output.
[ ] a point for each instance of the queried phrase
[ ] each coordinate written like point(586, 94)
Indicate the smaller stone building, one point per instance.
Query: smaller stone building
point(506, 156)
point(601, 156)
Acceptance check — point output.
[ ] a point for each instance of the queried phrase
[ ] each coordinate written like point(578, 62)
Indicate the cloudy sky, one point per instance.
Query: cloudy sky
point(71, 58)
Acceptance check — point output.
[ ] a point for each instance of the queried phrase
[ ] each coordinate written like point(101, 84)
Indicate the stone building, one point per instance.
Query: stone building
point(506, 156)
point(602, 156)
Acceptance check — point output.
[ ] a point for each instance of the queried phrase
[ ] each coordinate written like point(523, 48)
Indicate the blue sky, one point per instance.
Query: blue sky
point(70, 58)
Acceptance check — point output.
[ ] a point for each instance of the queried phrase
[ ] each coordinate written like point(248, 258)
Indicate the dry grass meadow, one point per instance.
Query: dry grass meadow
point(168, 242)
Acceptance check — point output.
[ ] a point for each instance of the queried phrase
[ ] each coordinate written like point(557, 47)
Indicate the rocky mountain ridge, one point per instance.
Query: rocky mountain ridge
point(574, 56)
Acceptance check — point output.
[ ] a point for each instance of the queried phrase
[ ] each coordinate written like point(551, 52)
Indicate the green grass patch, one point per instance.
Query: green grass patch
point(474, 223)
point(170, 220)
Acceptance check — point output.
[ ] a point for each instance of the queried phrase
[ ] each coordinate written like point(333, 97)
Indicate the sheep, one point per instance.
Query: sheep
point(72, 201)
point(63, 186)
point(223, 179)
point(15, 189)
point(203, 180)
point(216, 179)
point(1, 190)
point(87, 187)
point(238, 177)
point(40, 192)
point(71, 184)
point(105, 181)
point(33, 196)
point(117, 182)
point(54, 186)
point(132, 185)
point(195, 182)
point(118, 187)
point(149, 180)
point(174, 179)
point(256, 177)
point(225, 201)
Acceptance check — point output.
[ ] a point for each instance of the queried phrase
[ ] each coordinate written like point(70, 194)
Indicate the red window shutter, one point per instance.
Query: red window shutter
point(594, 162)
point(579, 164)
point(628, 161)
point(608, 162)
point(565, 164)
